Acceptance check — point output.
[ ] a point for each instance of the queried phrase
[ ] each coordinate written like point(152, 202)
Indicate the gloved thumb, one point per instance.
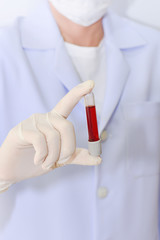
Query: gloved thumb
point(82, 157)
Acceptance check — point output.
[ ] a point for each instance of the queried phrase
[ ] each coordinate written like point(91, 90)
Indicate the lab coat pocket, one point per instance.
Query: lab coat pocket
point(142, 124)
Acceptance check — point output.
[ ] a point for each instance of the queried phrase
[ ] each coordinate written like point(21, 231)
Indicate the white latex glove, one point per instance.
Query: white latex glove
point(43, 142)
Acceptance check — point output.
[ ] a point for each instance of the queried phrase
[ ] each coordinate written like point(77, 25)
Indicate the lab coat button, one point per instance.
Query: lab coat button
point(104, 135)
point(102, 192)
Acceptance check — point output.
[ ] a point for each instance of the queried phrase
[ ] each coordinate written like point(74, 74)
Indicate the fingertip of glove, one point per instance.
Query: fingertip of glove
point(37, 163)
point(95, 161)
point(90, 83)
point(87, 85)
point(99, 160)
point(63, 161)
point(48, 167)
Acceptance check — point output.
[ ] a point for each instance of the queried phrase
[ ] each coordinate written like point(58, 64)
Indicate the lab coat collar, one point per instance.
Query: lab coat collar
point(64, 68)
point(39, 30)
point(116, 78)
point(45, 33)
point(122, 31)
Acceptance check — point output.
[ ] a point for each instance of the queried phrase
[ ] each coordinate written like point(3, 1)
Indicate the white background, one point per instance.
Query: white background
point(144, 11)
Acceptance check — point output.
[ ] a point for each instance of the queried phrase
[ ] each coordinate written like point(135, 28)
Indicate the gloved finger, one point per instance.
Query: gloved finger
point(67, 135)
point(68, 102)
point(30, 135)
point(82, 157)
point(52, 138)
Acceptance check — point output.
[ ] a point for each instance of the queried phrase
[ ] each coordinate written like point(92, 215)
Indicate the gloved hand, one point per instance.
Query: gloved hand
point(43, 142)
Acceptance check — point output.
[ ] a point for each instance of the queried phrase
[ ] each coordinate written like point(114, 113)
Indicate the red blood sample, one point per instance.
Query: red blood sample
point(92, 123)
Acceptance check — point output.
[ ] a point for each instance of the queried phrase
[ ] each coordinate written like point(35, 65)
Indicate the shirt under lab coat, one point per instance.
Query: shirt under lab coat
point(35, 73)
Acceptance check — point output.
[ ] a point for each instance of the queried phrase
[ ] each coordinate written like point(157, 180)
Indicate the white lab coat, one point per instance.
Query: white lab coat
point(35, 73)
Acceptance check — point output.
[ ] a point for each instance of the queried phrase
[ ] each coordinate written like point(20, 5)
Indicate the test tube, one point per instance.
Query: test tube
point(94, 143)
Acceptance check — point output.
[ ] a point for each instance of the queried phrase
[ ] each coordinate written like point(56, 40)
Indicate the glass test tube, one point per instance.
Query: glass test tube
point(94, 143)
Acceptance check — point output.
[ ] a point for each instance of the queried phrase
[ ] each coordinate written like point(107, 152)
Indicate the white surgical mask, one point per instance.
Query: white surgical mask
point(83, 12)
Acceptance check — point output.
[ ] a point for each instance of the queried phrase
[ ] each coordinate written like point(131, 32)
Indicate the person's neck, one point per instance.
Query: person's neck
point(76, 34)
